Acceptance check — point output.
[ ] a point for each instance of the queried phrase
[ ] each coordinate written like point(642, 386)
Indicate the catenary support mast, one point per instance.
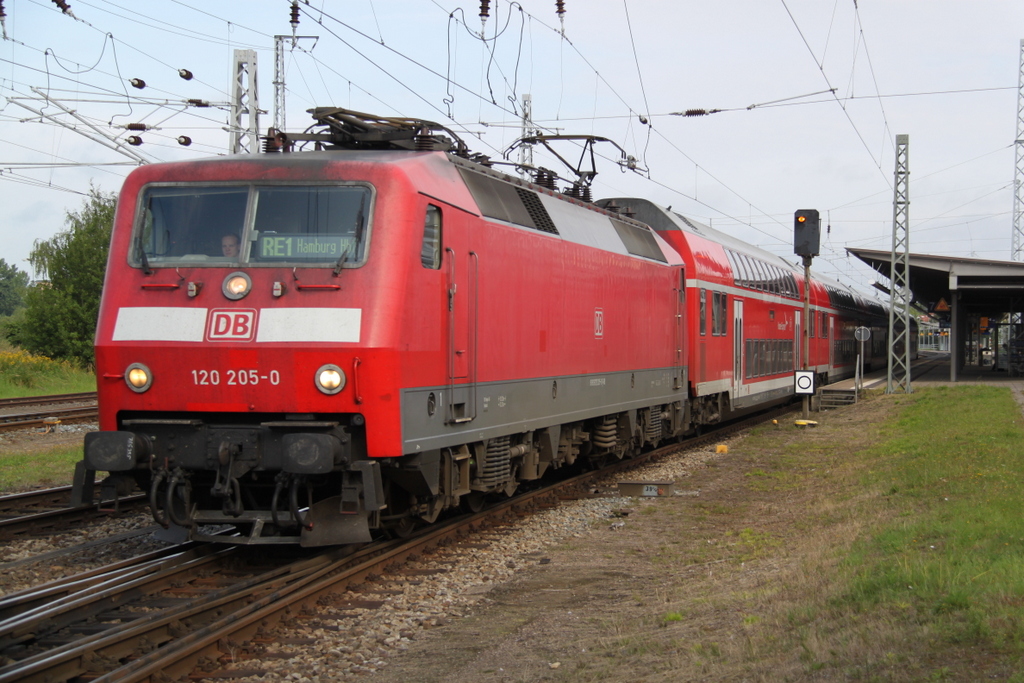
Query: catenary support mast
point(1017, 241)
point(899, 291)
point(245, 105)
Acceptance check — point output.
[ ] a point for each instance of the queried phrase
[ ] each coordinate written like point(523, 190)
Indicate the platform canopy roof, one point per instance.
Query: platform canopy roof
point(987, 288)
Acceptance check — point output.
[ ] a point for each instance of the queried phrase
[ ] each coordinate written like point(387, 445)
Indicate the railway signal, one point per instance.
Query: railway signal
point(806, 232)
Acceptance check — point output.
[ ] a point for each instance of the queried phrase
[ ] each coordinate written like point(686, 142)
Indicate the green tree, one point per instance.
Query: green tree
point(60, 315)
point(13, 283)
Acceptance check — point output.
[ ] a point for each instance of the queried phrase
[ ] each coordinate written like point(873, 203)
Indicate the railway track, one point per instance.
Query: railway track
point(48, 511)
point(49, 417)
point(159, 616)
point(47, 400)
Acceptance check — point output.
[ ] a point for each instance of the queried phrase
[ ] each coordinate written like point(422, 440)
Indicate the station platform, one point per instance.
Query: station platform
point(932, 369)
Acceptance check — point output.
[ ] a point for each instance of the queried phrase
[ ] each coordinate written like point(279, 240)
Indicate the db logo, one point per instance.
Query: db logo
point(231, 325)
point(599, 323)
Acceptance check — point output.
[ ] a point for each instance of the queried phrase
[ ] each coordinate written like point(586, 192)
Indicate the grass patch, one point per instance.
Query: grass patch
point(953, 556)
point(26, 374)
point(54, 467)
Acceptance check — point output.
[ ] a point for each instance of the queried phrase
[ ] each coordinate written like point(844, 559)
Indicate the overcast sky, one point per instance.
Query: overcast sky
point(812, 94)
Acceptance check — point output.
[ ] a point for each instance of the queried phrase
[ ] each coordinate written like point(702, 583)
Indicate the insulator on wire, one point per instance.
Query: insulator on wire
point(184, 140)
point(63, 6)
point(295, 15)
point(695, 112)
point(485, 11)
point(134, 140)
point(137, 126)
point(137, 83)
point(3, 14)
point(198, 103)
point(560, 11)
point(185, 73)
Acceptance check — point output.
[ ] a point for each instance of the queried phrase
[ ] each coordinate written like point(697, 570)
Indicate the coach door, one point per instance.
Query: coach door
point(680, 331)
point(737, 347)
point(798, 344)
point(463, 280)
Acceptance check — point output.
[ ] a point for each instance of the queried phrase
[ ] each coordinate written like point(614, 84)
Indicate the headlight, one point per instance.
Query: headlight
point(138, 377)
point(330, 379)
point(236, 285)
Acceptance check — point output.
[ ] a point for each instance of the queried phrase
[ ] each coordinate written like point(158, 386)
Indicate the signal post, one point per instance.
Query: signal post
point(806, 241)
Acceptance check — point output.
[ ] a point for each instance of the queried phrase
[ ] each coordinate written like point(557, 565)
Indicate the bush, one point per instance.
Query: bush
point(20, 369)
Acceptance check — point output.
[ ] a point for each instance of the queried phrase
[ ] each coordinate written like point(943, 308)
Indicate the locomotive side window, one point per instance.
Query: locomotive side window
point(430, 252)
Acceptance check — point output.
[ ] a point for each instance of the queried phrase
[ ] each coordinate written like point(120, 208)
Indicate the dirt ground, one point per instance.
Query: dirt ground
point(724, 586)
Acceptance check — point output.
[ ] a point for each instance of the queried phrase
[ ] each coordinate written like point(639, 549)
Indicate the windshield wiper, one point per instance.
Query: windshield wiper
point(341, 263)
point(358, 234)
point(142, 256)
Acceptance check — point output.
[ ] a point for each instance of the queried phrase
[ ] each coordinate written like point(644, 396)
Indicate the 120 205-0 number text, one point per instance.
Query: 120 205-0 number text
point(234, 377)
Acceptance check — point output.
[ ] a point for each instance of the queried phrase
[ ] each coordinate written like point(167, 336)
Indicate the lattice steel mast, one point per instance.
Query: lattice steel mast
point(899, 274)
point(245, 105)
point(1017, 239)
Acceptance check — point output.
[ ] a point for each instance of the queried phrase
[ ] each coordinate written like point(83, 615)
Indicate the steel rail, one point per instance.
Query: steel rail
point(44, 400)
point(58, 496)
point(64, 519)
point(41, 419)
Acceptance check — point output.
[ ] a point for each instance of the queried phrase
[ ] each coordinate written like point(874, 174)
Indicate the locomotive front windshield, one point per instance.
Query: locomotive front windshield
point(270, 225)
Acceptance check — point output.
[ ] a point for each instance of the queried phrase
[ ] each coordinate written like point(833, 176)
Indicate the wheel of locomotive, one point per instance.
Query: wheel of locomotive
point(473, 501)
point(402, 528)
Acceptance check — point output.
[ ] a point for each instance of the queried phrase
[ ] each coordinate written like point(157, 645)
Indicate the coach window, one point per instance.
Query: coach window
point(810, 323)
point(703, 312)
point(824, 324)
point(762, 276)
point(716, 298)
point(430, 252)
point(748, 278)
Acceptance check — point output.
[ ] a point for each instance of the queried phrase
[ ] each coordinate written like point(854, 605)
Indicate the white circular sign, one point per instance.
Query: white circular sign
point(862, 334)
point(804, 382)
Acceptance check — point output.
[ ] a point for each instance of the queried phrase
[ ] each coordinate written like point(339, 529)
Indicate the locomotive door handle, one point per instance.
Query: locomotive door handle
point(355, 380)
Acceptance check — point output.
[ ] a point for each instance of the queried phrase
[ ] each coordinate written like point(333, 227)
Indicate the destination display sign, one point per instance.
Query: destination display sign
point(301, 246)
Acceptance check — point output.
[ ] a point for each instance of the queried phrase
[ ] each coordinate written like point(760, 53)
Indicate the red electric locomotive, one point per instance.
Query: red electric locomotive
point(311, 346)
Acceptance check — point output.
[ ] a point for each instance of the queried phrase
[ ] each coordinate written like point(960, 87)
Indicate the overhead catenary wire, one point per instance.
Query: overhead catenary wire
point(821, 69)
point(377, 38)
